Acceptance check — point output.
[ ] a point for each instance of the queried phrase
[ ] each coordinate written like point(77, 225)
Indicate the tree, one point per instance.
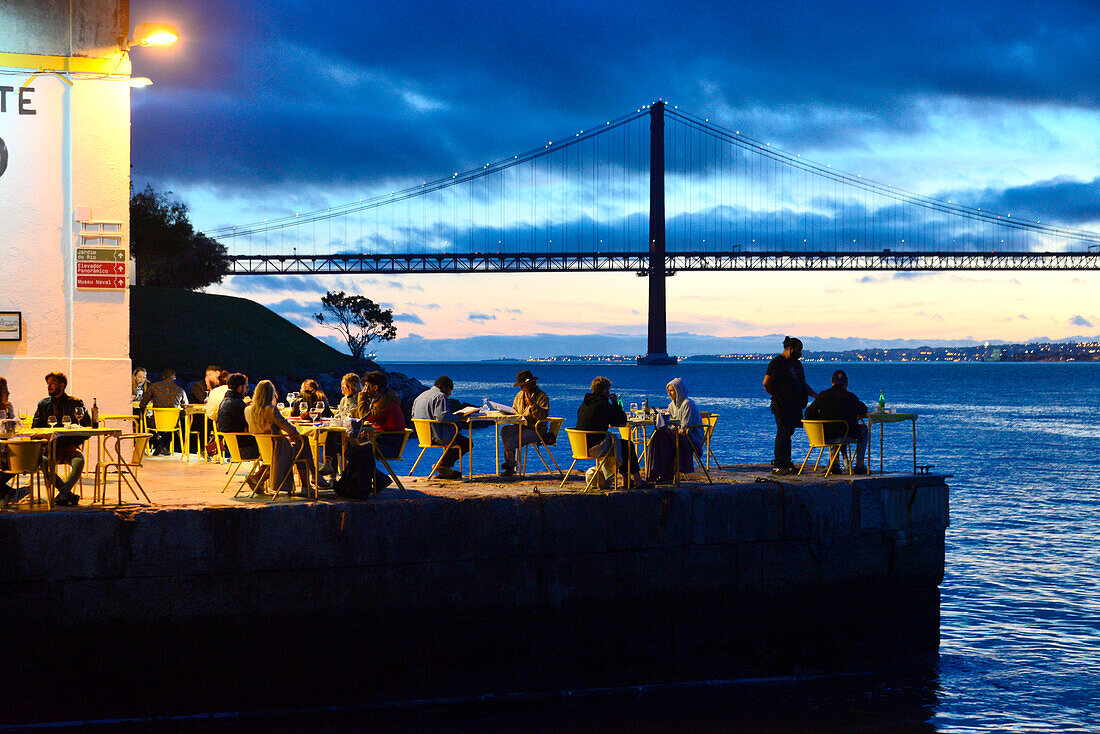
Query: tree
point(168, 250)
point(358, 319)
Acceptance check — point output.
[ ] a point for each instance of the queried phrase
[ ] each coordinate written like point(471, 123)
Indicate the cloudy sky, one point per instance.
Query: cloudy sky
point(275, 107)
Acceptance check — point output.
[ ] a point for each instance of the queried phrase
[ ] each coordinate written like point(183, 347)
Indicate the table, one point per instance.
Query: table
point(882, 419)
point(52, 434)
point(498, 419)
point(316, 434)
point(191, 410)
point(632, 427)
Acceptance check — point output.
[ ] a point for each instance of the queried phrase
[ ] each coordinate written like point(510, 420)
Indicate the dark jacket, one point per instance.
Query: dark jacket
point(836, 404)
point(231, 420)
point(789, 390)
point(58, 407)
point(598, 413)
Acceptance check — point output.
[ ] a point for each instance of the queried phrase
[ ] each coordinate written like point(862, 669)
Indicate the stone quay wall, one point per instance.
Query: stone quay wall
point(154, 612)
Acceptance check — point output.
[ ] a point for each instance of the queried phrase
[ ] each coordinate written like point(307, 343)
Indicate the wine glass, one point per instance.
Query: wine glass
point(303, 409)
point(66, 421)
point(51, 421)
point(78, 414)
point(634, 409)
point(315, 411)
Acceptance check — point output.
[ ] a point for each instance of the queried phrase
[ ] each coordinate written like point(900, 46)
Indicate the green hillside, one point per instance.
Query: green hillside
point(188, 330)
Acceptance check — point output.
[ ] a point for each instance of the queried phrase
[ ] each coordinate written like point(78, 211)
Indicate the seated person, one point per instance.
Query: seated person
point(230, 419)
point(383, 411)
point(198, 391)
point(836, 403)
point(534, 405)
point(350, 386)
point(58, 405)
point(7, 494)
point(683, 410)
point(310, 394)
point(215, 396)
point(600, 411)
point(264, 418)
point(164, 394)
point(433, 404)
point(139, 383)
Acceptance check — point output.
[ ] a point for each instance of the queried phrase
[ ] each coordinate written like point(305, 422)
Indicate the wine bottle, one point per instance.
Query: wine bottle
point(881, 402)
point(95, 414)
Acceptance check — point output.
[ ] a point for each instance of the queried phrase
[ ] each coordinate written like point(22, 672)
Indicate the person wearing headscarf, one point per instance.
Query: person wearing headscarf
point(685, 412)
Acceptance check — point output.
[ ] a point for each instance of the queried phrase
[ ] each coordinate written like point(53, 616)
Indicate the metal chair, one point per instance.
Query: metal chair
point(232, 444)
point(266, 444)
point(168, 420)
point(696, 452)
point(709, 421)
point(423, 428)
point(551, 428)
point(815, 433)
point(122, 468)
point(25, 457)
point(578, 442)
point(405, 435)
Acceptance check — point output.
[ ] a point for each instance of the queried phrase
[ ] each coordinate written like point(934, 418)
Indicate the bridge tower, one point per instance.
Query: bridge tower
point(657, 351)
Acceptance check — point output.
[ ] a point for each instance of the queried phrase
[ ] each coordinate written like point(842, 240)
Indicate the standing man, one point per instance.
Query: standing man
point(786, 383)
point(534, 405)
point(59, 405)
point(433, 404)
point(164, 394)
point(837, 404)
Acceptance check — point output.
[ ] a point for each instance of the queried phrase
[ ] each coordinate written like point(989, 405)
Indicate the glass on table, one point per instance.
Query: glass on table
point(66, 421)
point(634, 409)
point(78, 414)
point(51, 421)
point(303, 409)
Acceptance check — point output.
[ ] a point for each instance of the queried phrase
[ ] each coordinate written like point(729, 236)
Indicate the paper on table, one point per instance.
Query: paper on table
point(501, 407)
point(469, 410)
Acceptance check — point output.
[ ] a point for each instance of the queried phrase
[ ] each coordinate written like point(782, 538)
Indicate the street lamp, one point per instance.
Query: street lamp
point(153, 34)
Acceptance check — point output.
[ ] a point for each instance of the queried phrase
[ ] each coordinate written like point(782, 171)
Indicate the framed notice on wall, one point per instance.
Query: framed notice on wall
point(11, 326)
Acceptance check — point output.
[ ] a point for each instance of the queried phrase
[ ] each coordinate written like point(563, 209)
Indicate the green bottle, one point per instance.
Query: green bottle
point(881, 402)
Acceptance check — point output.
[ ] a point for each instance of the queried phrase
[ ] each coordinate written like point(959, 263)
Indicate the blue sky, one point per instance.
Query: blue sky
point(264, 108)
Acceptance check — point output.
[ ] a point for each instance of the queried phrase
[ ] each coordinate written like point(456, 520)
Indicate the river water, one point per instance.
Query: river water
point(1020, 647)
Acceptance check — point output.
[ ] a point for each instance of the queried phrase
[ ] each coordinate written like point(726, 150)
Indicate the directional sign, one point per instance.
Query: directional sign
point(101, 254)
point(101, 282)
point(100, 268)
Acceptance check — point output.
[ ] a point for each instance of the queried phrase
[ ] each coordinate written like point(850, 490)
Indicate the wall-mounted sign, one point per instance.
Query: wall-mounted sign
point(101, 268)
point(11, 326)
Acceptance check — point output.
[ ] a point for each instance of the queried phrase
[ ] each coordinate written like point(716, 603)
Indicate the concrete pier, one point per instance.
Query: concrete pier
point(465, 590)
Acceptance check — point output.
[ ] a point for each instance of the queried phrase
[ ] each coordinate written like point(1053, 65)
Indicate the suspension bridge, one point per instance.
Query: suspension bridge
point(655, 191)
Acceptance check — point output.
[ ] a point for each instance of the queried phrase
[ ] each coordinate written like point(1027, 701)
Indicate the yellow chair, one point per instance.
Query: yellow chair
point(266, 444)
point(405, 435)
point(709, 421)
point(695, 452)
point(232, 444)
point(815, 432)
point(423, 428)
point(167, 420)
point(25, 457)
point(545, 427)
point(123, 467)
point(578, 442)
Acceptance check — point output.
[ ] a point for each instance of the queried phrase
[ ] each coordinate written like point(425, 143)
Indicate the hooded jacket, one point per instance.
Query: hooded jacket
point(683, 409)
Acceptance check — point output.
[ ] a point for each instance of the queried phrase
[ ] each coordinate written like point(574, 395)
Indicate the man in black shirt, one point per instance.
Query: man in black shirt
point(837, 404)
point(786, 383)
point(59, 405)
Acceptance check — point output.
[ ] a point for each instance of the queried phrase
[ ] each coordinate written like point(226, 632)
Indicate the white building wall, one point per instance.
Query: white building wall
point(73, 151)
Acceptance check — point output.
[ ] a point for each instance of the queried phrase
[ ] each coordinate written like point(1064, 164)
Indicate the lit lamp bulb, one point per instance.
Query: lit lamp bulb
point(155, 34)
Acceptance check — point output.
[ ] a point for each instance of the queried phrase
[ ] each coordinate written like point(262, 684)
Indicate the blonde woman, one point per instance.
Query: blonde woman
point(264, 418)
point(350, 386)
point(139, 384)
